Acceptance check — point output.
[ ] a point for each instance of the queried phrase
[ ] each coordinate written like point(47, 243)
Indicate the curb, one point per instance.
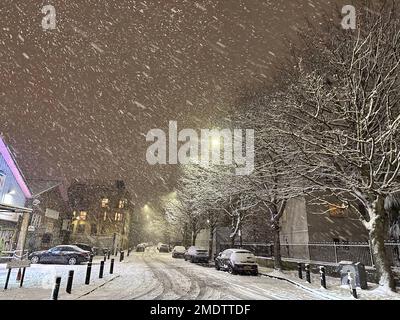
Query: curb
point(299, 285)
point(94, 289)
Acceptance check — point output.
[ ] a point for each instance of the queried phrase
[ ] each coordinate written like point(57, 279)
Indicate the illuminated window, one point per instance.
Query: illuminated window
point(122, 204)
point(336, 211)
point(105, 216)
point(82, 215)
point(118, 216)
point(104, 202)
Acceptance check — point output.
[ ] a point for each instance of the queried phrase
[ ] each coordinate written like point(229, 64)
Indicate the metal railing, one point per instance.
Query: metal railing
point(14, 255)
point(329, 252)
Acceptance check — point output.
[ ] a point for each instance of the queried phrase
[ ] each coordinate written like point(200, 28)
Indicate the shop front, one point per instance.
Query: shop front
point(14, 195)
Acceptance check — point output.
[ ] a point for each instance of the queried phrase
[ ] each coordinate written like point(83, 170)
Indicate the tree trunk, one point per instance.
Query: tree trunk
point(211, 242)
point(194, 236)
point(377, 230)
point(277, 249)
point(233, 241)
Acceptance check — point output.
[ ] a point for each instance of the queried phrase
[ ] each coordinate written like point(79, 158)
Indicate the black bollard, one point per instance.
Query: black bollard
point(323, 277)
point(308, 275)
point(22, 277)
point(101, 269)
point(56, 289)
point(7, 279)
point(105, 258)
point(70, 280)
point(112, 266)
point(129, 251)
point(88, 272)
point(121, 256)
point(300, 269)
point(108, 254)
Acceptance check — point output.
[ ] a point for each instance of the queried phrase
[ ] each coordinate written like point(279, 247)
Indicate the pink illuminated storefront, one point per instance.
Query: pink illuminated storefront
point(14, 195)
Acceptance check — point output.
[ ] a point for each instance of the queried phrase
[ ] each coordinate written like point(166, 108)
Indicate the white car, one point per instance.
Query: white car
point(178, 252)
point(237, 261)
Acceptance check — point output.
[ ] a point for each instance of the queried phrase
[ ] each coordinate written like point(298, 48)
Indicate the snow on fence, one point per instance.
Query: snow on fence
point(330, 252)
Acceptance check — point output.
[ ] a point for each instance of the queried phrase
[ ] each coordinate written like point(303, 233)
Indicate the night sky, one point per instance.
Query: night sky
point(78, 101)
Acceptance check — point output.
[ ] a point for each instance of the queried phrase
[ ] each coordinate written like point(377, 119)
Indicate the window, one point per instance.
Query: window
point(36, 220)
point(122, 203)
point(82, 215)
point(104, 202)
point(336, 211)
point(105, 216)
point(118, 216)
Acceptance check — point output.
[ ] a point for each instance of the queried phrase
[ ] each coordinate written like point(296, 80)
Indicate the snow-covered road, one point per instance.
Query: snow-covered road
point(161, 277)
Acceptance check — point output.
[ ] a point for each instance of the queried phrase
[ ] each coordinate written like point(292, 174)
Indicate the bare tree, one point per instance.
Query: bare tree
point(343, 114)
point(271, 182)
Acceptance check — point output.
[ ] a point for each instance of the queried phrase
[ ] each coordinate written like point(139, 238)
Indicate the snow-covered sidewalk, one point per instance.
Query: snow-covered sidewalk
point(334, 291)
point(39, 281)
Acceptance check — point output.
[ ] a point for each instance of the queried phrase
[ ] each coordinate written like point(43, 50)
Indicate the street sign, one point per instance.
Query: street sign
point(18, 264)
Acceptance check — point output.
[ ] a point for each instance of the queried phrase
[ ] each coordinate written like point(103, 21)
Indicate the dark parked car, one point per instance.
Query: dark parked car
point(237, 261)
point(86, 247)
point(163, 248)
point(141, 247)
point(61, 255)
point(196, 254)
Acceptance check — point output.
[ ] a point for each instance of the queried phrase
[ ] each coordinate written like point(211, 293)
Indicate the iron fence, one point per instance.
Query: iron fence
point(329, 252)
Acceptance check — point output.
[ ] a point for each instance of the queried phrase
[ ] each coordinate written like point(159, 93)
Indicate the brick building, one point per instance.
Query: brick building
point(101, 213)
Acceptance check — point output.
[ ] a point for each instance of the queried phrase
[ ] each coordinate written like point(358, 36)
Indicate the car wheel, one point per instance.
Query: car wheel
point(231, 270)
point(217, 266)
point(35, 259)
point(72, 261)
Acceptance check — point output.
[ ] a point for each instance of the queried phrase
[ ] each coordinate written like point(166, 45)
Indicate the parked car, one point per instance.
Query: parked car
point(141, 247)
point(64, 254)
point(86, 247)
point(196, 254)
point(178, 252)
point(237, 261)
point(163, 248)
